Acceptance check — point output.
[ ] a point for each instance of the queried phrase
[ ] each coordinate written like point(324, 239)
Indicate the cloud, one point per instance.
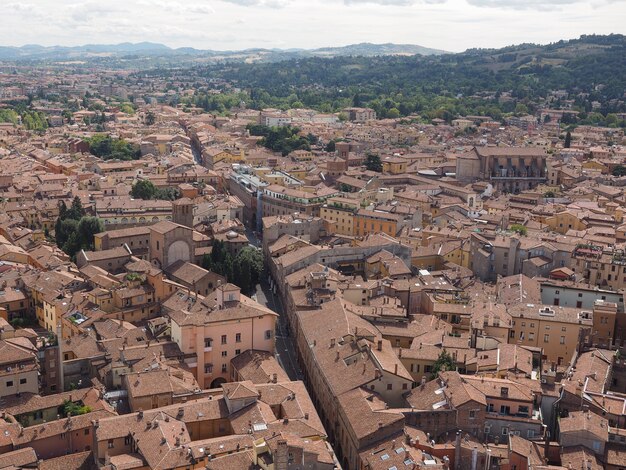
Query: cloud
point(541, 5)
point(260, 3)
point(396, 3)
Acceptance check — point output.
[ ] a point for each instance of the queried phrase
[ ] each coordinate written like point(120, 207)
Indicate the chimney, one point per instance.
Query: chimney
point(395, 369)
point(400, 352)
point(274, 378)
point(332, 342)
point(457, 450)
point(380, 344)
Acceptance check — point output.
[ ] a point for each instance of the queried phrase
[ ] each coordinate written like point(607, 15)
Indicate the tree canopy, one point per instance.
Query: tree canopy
point(108, 148)
point(244, 270)
point(284, 139)
point(74, 229)
point(145, 189)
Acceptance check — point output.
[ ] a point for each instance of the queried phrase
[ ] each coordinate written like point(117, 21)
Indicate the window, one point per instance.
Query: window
point(505, 431)
point(530, 433)
point(389, 387)
point(110, 443)
point(580, 294)
point(531, 336)
point(268, 334)
point(223, 339)
point(547, 327)
point(224, 368)
point(9, 383)
point(224, 353)
point(86, 432)
point(127, 440)
point(562, 339)
point(208, 342)
point(22, 381)
point(237, 352)
point(405, 386)
point(532, 325)
point(563, 328)
point(546, 338)
point(238, 338)
point(472, 414)
point(208, 368)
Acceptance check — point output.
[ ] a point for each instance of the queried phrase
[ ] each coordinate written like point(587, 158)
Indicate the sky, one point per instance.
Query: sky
point(451, 25)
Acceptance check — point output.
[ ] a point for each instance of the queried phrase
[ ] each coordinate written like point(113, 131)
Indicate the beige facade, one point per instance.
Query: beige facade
point(213, 338)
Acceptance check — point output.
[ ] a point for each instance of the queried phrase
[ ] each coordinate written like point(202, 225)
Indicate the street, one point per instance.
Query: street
point(285, 347)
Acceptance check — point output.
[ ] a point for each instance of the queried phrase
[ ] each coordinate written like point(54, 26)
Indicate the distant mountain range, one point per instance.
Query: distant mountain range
point(34, 52)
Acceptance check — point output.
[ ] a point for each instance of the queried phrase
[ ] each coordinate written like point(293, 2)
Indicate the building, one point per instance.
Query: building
point(508, 169)
point(211, 333)
point(19, 369)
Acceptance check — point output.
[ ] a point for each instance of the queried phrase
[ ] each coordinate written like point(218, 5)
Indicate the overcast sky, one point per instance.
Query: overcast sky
point(452, 25)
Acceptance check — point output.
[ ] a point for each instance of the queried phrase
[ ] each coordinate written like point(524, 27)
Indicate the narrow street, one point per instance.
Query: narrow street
point(285, 347)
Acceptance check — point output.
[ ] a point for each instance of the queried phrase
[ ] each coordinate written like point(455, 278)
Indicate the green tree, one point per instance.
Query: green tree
point(71, 408)
point(619, 170)
point(150, 118)
point(568, 140)
point(143, 189)
point(247, 268)
point(76, 211)
point(549, 194)
point(373, 163)
point(330, 146)
point(444, 362)
point(393, 113)
point(108, 148)
point(521, 109)
point(87, 228)
point(518, 228)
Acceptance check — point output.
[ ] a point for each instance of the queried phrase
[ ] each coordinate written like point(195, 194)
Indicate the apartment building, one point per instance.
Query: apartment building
point(339, 213)
point(370, 221)
point(279, 200)
point(210, 335)
point(558, 331)
point(19, 369)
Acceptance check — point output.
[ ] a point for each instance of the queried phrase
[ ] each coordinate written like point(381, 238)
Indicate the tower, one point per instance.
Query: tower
point(183, 212)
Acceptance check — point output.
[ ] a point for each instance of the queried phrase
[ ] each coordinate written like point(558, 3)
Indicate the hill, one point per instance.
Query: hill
point(148, 49)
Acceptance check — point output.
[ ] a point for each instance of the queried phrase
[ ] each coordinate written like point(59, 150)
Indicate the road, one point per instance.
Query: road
point(285, 347)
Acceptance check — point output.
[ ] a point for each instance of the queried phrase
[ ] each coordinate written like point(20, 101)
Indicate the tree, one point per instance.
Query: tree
point(71, 408)
point(393, 113)
point(619, 170)
point(107, 148)
point(518, 228)
point(76, 211)
point(330, 146)
point(373, 163)
point(568, 140)
point(150, 118)
point(549, 194)
point(143, 189)
point(443, 363)
point(521, 109)
point(87, 228)
point(247, 268)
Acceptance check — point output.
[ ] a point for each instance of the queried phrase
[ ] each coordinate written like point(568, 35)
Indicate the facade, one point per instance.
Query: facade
point(509, 169)
point(210, 338)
